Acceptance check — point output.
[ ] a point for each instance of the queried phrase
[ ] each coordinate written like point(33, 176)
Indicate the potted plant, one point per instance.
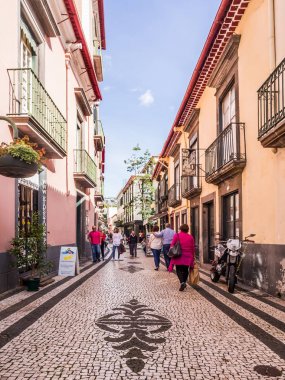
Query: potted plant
point(29, 251)
point(20, 158)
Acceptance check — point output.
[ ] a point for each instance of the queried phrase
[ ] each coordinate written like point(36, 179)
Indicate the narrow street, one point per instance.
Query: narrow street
point(123, 320)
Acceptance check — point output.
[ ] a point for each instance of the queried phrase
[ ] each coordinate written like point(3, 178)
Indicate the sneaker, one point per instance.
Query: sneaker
point(182, 286)
point(156, 268)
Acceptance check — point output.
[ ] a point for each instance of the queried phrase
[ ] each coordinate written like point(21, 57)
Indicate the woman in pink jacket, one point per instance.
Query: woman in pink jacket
point(186, 260)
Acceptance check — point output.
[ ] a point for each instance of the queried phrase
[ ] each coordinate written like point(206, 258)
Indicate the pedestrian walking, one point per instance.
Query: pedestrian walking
point(186, 260)
point(155, 244)
point(143, 244)
point(141, 236)
point(167, 235)
point(117, 239)
point(94, 238)
point(133, 242)
point(103, 244)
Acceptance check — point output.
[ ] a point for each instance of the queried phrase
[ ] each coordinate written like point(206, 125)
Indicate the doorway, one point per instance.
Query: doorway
point(231, 221)
point(208, 231)
point(80, 224)
point(195, 229)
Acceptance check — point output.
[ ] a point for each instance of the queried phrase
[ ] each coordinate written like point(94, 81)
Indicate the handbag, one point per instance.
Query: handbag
point(122, 248)
point(176, 250)
point(194, 276)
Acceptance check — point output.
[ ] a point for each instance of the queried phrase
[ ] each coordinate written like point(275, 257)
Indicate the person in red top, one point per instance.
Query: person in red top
point(186, 260)
point(94, 238)
point(103, 238)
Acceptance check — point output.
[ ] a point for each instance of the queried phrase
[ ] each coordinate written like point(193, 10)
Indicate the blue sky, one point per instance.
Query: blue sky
point(152, 49)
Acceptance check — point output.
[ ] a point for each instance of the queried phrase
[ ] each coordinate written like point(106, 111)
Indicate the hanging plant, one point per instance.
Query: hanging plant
point(20, 158)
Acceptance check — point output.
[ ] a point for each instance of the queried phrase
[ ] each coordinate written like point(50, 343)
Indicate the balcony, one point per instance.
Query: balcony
point(226, 156)
point(35, 113)
point(84, 169)
point(174, 196)
point(99, 193)
point(191, 187)
point(98, 63)
point(271, 109)
point(99, 138)
point(163, 190)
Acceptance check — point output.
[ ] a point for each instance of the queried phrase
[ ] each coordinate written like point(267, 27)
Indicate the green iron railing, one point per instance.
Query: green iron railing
point(85, 165)
point(98, 129)
point(102, 188)
point(29, 97)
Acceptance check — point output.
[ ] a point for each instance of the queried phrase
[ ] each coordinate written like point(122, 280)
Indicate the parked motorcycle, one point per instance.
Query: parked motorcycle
point(228, 257)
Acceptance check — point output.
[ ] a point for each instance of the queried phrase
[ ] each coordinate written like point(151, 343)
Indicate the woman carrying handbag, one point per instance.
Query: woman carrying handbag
point(183, 242)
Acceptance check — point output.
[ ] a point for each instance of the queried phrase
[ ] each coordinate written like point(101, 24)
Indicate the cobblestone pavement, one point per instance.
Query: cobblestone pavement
point(123, 320)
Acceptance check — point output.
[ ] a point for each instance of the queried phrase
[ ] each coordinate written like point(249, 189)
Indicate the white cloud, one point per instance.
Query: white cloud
point(107, 88)
point(146, 99)
point(135, 89)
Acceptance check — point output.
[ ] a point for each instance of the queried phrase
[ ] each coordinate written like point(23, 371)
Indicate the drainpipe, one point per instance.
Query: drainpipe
point(67, 63)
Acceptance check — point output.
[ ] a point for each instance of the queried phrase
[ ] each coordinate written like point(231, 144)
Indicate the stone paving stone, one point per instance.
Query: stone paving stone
point(202, 342)
point(255, 319)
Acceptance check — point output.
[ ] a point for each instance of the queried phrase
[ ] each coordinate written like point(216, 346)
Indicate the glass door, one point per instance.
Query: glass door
point(228, 142)
point(177, 180)
point(231, 216)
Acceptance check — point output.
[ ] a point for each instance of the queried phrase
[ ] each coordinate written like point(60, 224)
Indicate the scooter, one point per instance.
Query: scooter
point(228, 258)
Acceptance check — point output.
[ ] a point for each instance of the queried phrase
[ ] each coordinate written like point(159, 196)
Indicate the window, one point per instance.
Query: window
point(184, 217)
point(193, 145)
point(28, 203)
point(228, 108)
point(79, 133)
point(177, 180)
point(231, 216)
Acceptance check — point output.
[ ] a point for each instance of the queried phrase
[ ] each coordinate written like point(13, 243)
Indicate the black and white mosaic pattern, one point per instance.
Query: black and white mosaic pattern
point(131, 269)
point(137, 327)
point(157, 332)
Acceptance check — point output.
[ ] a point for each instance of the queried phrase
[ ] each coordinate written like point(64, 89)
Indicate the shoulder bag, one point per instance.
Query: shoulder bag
point(176, 250)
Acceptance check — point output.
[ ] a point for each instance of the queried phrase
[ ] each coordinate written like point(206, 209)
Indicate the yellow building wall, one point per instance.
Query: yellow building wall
point(264, 174)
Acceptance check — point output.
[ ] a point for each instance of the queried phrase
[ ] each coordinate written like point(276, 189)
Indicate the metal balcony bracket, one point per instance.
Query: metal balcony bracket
point(13, 125)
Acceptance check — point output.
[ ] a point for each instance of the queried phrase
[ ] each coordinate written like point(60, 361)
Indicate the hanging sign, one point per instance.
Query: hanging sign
point(68, 261)
point(189, 164)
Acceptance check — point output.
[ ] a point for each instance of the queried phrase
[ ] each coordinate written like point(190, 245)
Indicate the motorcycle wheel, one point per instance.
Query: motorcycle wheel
point(215, 276)
point(232, 279)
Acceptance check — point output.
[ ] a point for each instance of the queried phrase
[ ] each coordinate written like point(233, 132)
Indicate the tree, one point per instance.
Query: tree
point(137, 161)
point(141, 165)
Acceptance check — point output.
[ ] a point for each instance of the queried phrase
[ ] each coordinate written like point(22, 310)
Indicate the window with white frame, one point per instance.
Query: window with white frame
point(228, 108)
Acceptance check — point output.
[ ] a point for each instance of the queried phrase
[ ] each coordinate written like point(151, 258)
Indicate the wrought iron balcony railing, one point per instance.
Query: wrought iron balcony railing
point(99, 193)
point(190, 186)
point(28, 98)
point(226, 156)
point(174, 195)
point(99, 137)
point(163, 190)
point(84, 168)
point(271, 109)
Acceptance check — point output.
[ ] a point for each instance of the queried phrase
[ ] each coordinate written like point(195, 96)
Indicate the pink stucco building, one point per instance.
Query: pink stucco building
point(49, 78)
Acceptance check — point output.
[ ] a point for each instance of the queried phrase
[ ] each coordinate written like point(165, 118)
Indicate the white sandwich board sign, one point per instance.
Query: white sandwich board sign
point(68, 261)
